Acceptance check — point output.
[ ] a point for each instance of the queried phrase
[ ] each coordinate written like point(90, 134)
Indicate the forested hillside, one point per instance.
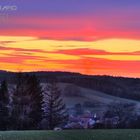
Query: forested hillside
point(116, 86)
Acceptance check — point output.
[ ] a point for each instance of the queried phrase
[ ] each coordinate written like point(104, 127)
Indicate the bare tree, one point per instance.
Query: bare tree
point(123, 111)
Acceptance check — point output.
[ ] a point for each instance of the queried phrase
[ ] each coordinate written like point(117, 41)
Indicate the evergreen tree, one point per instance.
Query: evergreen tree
point(35, 90)
point(20, 104)
point(54, 109)
point(27, 99)
point(4, 100)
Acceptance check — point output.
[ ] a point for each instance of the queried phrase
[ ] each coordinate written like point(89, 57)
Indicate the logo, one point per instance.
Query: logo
point(6, 11)
point(8, 8)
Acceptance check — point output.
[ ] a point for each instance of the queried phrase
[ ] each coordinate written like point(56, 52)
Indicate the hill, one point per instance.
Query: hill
point(116, 86)
point(90, 99)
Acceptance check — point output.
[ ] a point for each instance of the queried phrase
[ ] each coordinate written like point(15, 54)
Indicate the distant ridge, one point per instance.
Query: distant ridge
point(116, 86)
point(60, 73)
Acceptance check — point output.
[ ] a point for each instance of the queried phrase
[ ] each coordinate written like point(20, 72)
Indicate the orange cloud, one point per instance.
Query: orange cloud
point(110, 57)
point(88, 51)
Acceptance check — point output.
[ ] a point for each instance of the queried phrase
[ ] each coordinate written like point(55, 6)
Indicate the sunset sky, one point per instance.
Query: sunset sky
point(99, 37)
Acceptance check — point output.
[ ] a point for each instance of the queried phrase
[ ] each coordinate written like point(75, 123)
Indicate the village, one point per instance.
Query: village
point(90, 120)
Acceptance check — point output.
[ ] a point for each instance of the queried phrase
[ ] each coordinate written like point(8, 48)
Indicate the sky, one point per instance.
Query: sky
point(95, 37)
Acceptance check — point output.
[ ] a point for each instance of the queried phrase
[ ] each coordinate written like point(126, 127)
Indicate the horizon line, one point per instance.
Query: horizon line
point(117, 76)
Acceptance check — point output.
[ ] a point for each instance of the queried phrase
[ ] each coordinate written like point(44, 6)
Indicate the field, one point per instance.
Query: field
point(72, 135)
point(100, 99)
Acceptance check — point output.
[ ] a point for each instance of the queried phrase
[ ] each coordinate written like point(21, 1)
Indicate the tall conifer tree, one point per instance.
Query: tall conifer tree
point(27, 102)
point(54, 109)
point(4, 101)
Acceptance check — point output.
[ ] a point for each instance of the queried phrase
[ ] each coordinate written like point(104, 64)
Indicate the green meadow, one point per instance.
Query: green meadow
point(72, 135)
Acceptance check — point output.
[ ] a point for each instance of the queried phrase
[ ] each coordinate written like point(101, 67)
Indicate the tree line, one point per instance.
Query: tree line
point(28, 105)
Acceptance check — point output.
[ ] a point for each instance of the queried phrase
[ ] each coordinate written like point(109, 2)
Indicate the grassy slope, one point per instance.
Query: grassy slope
point(95, 96)
point(72, 135)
